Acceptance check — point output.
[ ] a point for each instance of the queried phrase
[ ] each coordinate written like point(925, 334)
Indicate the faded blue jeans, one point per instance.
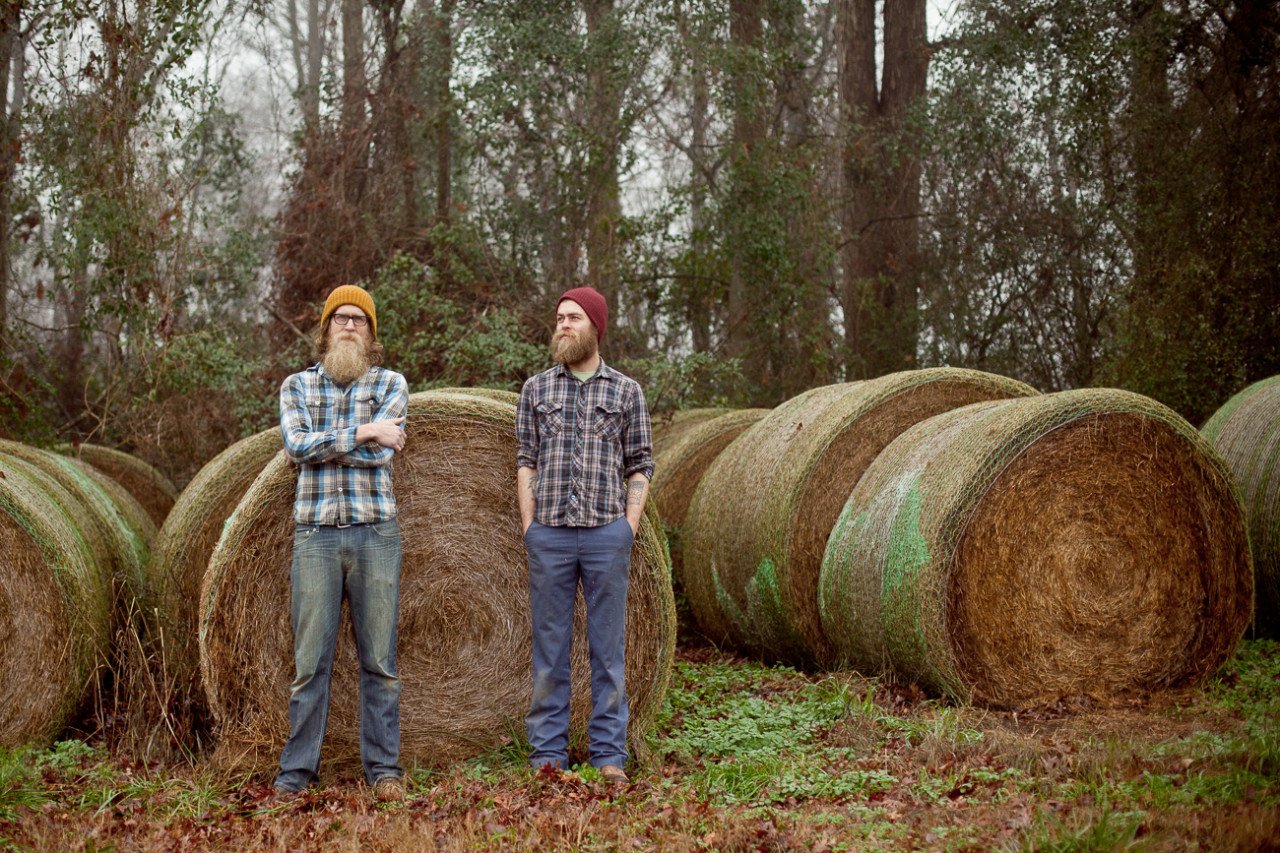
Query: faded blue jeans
point(558, 558)
point(363, 562)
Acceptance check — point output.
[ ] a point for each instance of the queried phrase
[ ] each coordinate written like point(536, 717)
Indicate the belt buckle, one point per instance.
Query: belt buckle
point(342, 526)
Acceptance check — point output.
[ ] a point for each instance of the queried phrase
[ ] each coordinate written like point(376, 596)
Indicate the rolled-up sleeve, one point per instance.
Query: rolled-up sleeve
point(526, 429)
point(637, 437)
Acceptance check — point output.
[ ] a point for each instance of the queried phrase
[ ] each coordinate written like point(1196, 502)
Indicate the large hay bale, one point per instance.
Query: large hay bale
point(760, 518)
point(1013, 552)
point(680, 467)
point(464, 629)
point(186, 542)
point(55, 607)
point(669, 426)
point(499, 394)
point(118, 531)
point(151, 488)
point(1246, 433)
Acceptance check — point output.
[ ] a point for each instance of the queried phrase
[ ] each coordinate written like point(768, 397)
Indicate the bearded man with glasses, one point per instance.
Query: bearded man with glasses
point(342, 420)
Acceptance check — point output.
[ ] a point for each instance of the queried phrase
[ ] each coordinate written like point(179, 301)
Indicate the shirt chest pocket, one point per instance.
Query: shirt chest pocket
point(550, 418)
point(366, 403)
point(606, 421)
point(319, 411)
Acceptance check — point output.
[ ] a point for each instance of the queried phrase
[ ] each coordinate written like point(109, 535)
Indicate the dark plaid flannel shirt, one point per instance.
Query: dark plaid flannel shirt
point(584, 439)
point(338, 482)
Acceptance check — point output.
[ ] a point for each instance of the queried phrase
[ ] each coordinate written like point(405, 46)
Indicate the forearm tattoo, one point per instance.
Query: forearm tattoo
point(635, 491)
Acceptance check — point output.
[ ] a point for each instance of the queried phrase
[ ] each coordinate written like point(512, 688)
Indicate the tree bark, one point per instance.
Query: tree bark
point(444, 111)
point(882, 188)
point(604, 208)
point(10, 54)
point(749, 124)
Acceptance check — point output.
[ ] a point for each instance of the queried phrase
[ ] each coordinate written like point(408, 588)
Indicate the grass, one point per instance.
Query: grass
point(745, 757)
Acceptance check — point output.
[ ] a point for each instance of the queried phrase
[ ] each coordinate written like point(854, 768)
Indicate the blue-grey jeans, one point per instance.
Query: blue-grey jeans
point(560, 557)
point(363, 562)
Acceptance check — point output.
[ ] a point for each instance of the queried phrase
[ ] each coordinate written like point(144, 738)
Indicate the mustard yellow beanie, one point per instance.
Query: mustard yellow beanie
point(349, 294)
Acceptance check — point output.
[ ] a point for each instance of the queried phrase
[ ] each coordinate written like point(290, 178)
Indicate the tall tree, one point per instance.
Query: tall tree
point(882, 182)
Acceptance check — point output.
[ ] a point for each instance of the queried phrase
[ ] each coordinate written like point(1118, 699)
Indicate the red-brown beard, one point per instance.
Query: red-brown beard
point(347, 360)
point(567, 348)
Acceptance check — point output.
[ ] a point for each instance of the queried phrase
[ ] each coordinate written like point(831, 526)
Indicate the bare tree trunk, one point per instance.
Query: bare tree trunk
point(315, 53)
point(749, 124)
point(355, 86)
point(882, 189)
point(10, 59)
point(699, 308)
point(444, 110)
point(604, 206)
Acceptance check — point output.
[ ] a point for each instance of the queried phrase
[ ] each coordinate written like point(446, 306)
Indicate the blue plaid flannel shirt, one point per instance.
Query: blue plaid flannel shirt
point(584, 439)
point(338, 482)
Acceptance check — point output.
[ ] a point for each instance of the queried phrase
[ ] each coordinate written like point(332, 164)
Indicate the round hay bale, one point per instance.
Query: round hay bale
point(186, 542)
point(118, 537)
point(760, 518)
point(1246, 433)
point(1014, 552)
point(668, 426)
point(499, 394)
point(464, 629)
point(679, 469)
point(55, 608)
point(151, 488)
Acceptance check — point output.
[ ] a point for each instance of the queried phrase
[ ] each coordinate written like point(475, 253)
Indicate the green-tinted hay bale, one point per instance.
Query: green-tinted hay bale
point(499, 394)
point(1014, 552)
point(1246, 433)
point(680, 467)
point(464, 607)
point(760, 518)
point(669, 426)
point(187, 540)
point(151, 488)
point(55, 607)
point(119, 531)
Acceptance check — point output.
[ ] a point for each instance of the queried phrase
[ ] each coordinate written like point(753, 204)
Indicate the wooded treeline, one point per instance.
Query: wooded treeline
point(775, 194)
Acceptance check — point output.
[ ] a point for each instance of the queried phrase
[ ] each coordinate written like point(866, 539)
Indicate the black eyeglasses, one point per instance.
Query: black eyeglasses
point(344, 319)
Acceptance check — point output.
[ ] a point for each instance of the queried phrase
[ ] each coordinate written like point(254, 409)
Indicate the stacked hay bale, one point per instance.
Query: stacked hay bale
point(464, 603)
point(116, 527)
point(1012, 552)
point(669, 426)
point(680, 467)
point(759, 520)
point(1246, 432)
point(151, 488)
point(55, 605)
point(187, 540)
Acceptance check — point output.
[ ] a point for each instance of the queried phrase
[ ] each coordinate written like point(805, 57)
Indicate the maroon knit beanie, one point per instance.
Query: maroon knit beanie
point(593, 303)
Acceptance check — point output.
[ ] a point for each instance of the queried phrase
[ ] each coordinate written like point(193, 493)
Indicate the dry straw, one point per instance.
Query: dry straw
point(1015, 552)
point(1246, 432)
point(500, 394)
point(681, 465)
point(669, 426)
point(186, 542)
point(151, 488)
point(464, 604)
point(55, 606)
point(759, 521)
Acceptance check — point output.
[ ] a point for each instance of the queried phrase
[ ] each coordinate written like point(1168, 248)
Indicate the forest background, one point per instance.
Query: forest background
point(774, 195)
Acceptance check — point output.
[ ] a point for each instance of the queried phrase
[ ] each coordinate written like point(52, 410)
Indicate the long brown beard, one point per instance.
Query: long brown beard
point(347, 361)
point(570, 350)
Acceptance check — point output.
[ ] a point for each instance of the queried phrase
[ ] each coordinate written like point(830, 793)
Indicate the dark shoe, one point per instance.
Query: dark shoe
point(389, 789)
point(614, 775)
point(283, 796)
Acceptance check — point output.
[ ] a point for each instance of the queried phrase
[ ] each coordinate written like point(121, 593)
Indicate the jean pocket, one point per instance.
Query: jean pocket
point(389, 529)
